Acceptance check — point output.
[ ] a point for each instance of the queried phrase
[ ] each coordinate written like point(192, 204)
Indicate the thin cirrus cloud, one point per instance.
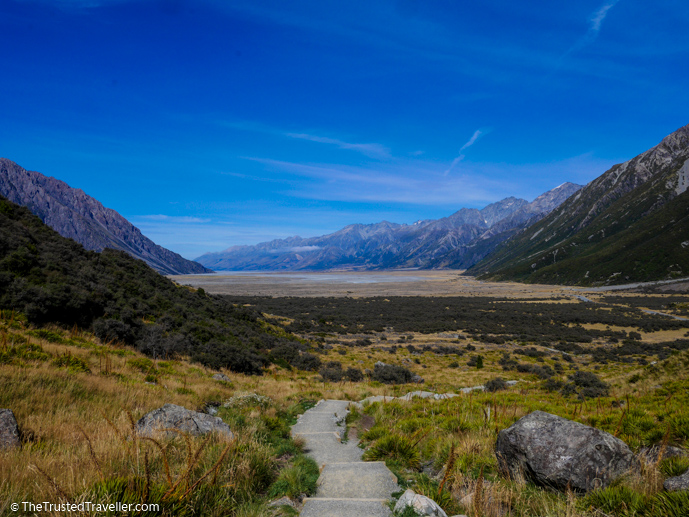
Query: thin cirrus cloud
point(595, 24)
point(477, 134)
point(414, 182)
point(371, 150)
point(419, 182)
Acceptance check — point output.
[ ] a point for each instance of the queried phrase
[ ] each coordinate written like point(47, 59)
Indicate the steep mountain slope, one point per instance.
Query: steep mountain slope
point(75, 215)
point(630, 224)
point(51, 279)
point(437, 243)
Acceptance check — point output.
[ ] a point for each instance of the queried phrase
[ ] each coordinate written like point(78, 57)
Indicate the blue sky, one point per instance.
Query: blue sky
point(210, 123)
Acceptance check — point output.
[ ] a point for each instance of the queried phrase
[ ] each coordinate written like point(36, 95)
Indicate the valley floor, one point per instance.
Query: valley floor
point(390, 283)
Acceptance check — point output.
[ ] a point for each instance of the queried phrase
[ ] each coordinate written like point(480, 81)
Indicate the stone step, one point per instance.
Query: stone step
point(326, 448)
point(316, 423)
point(321, 507)
point(356, 480)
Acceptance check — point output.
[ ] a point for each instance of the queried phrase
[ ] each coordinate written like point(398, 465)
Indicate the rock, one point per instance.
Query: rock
point(283, 501)
point(417, 379)
point(651, 454)
point(171, 416)
point(422, 504)
point(379, 364)
point(555, 452)
point(473, 388)
point(677, 483)
point(221, 377)
point(9, 430)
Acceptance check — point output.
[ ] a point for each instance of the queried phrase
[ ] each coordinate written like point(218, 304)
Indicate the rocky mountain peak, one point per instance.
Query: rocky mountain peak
point(75, 215)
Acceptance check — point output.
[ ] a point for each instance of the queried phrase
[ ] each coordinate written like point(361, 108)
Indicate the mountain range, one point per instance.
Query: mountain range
point(630, 224)
point(456, 241)
point(75, 215)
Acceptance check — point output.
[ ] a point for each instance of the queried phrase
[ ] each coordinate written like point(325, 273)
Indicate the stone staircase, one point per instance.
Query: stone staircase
point(347, 486)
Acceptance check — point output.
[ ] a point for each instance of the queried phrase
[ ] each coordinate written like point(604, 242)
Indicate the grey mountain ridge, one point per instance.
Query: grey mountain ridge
point(75, 215)
point(449, 242)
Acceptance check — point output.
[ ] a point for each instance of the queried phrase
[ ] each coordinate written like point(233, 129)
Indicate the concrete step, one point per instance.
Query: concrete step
point(358, 480)
point(326, 448)
point(345, 508)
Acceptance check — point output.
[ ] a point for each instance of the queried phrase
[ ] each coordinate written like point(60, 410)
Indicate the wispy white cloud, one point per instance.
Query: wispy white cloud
point(461, 156)
point(423, 182)
point(472, 140)
point(595, 23)
point(372, 150)
point(414, 182)
point(597, 19)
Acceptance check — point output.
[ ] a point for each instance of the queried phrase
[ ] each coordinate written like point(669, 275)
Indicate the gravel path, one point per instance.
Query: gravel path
point(347, 486)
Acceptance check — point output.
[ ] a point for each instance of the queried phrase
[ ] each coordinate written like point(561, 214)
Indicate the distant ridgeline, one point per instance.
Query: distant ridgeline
point(630, 224)
point(52, 279)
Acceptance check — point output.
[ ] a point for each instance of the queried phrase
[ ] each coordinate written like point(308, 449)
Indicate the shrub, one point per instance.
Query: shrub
point(674, 466)
point(395, 447)
point(114, 330)
point(332, 373)
point(245, 399)
point(22, 352)
point(495, 384)
point(589, 384)
point(307, 361)
point(300, 478)
point(391, 374)
point(354, 374)
point(73, 363)
point(617, 500)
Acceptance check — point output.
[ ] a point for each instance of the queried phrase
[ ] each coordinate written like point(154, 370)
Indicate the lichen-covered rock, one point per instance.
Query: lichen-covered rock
point(171, 416)
point(9, 430)
point(221, 377)
point(658, 452)
point(677, 483)
point(421, 504)
point(558, 453)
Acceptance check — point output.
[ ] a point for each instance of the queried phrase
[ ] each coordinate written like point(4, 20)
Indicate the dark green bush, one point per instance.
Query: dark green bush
point(495, 384)
point(391, 374)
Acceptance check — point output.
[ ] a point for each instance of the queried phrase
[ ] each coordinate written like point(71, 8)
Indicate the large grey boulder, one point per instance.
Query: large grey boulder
point(9, 430)
point(558, 453)
point(677, 483)
point(421, 504)
point(171, 416)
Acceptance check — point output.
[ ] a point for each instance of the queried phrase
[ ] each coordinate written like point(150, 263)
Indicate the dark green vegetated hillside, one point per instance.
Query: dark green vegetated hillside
point(51, 279)
point(629, 225)
point(648, 249)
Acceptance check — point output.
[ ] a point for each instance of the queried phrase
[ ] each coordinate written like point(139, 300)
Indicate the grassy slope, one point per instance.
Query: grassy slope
point(53, 403)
